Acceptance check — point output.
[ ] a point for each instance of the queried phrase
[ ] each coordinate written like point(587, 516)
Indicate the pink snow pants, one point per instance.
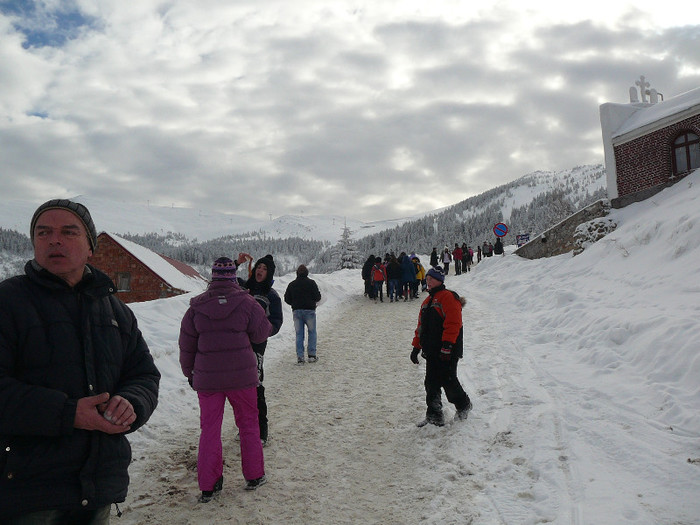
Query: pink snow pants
point(210, 464)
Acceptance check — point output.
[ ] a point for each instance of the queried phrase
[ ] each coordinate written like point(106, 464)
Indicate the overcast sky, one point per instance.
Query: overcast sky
point(368, 109)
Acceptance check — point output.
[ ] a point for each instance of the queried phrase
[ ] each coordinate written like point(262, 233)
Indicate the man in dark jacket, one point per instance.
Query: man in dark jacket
point(303, 295)
point(259, 285)
point(439, 339)
point(75, 376)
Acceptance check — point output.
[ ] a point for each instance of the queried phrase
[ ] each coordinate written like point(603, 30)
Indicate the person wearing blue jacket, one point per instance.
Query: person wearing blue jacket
point(408, 275)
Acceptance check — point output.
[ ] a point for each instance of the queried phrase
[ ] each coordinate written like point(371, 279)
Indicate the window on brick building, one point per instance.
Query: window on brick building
point(686, 153)
point(124, 282)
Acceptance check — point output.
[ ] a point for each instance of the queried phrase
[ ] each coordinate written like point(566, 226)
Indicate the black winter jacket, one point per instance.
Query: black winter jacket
point(269, 299)
point(59, 344)
point(302, 294)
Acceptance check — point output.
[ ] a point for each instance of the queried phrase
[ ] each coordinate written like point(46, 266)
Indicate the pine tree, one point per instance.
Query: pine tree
point(347, 256)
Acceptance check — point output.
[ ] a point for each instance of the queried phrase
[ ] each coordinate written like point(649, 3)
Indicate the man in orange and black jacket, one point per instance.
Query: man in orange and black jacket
point(438, 338)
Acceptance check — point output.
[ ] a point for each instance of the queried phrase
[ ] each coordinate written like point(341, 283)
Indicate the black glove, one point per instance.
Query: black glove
point(446, 351)
point(414, 355)
point(189, 380)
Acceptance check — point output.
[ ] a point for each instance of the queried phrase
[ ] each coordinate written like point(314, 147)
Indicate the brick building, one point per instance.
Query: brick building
point(649, 144)
point(141, 274)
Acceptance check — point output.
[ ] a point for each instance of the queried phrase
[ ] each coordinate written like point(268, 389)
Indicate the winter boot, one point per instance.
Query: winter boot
point(208, 495)
point(432, 421)
point(464, 413)
point(253, 484)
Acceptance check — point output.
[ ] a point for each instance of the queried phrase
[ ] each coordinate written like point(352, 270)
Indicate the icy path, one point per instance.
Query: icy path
point(344, 447)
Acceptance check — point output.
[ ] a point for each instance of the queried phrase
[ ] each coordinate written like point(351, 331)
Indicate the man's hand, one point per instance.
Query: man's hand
point(111, 416)
point(446, 351)
point(414, 355)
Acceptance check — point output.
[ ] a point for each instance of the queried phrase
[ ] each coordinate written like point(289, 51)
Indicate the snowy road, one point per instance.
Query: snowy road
point(539, 446)
point(344, 447)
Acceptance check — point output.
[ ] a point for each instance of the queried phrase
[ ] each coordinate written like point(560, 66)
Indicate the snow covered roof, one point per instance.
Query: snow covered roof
point(661, 114)
point(175, 273)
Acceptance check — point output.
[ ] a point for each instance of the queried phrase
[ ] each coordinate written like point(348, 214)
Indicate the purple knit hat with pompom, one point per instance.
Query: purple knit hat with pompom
point(223, 269)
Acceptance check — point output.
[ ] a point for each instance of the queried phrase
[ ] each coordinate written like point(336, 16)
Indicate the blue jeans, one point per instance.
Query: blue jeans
point(308, 318)
point(394, 285)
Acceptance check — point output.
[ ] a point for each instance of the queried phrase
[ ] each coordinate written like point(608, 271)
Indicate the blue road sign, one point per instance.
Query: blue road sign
point(500, 229)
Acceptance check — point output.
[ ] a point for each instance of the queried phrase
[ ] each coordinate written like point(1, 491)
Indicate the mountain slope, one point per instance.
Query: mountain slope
point(531, 203)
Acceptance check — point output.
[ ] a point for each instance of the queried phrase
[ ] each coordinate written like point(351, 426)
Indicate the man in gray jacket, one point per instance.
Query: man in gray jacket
point(75, 376)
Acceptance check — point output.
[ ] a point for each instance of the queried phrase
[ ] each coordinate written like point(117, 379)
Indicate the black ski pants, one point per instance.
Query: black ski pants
point(441, 375)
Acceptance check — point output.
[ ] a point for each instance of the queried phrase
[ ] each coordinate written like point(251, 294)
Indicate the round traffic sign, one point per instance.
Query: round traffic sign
point(500, 229)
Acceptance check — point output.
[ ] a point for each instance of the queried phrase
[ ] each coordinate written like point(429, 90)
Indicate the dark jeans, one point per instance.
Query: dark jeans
point(64, 517)
point(441, 375)
point(262, 412)
point(262, 404)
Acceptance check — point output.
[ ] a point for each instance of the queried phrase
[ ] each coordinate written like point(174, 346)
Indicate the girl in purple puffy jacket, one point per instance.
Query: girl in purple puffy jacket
point(217, 358)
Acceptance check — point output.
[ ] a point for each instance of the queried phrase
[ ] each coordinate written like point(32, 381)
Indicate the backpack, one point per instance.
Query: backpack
point(378, 273)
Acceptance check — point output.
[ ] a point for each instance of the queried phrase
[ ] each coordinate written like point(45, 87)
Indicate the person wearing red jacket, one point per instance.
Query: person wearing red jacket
point(457, 256)
point(439, 340)
point(378, 278)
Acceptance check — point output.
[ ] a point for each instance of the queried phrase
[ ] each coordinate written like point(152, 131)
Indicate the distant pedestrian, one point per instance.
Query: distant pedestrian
point(367, 276)
point(393, 274)
point(303, 295)
point(420, 276)
point(408, 275)
point(465, 257)
point(498, 247)
point(434, 258)
point(478, 253)
point(439, 340)
point(378, 277)
point(446, 260)
point(457, 258)
point(218, 361)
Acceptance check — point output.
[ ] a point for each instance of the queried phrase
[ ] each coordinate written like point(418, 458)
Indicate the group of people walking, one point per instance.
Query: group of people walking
point(401, 276)
point(462, 257)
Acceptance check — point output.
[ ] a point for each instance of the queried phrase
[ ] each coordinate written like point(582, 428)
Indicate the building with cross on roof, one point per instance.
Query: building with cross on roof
point(649, 143)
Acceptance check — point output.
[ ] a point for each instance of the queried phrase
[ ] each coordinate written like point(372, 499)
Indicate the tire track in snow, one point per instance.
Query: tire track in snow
point(516, 424)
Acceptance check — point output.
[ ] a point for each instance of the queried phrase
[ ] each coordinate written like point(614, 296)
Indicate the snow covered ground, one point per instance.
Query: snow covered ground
point(584, 373)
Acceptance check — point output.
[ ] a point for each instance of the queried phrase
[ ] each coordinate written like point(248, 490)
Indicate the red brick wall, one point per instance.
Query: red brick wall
point(646, 161)
point(145, 285)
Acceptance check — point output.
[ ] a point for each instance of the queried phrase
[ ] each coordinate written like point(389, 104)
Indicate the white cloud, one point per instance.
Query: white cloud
point(313, 103)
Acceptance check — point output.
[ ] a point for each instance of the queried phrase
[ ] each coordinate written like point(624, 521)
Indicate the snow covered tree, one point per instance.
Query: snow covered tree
point(346, 256)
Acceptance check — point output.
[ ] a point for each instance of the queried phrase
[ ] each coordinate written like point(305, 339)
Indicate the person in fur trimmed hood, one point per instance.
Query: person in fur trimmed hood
point(259, 285)
point(439, 340)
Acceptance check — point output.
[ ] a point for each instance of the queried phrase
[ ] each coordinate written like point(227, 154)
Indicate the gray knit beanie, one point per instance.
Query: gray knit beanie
point(76, 209)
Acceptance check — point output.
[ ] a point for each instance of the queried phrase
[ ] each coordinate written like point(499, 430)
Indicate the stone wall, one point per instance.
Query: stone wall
point(560, 238)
